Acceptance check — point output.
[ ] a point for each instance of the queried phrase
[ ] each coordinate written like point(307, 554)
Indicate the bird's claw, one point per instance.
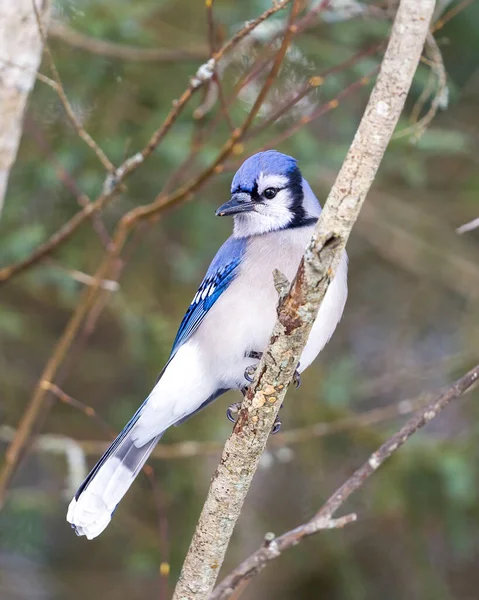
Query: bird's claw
point(232, 416)
point(232, 411)
point(249, 373)
point(276, 425)
point(297, 379)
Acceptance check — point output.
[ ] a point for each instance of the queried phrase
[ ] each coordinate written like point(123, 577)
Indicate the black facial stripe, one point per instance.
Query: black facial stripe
point(296, 191)
point(304, 223)
point(255, 197)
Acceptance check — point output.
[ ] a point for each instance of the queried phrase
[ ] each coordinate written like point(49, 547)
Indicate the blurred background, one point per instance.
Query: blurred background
point(410, 324)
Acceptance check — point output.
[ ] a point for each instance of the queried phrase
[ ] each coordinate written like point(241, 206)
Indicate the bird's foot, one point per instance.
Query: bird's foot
point(250, 371)
point(233, 410)
point(297, 379)
point(249, 375)
point(276, 425)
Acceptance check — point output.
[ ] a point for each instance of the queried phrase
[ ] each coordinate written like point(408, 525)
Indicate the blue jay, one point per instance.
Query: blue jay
point(226, 327)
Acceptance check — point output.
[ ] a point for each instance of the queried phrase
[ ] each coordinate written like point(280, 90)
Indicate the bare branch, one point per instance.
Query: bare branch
point(298, 311)
point(77, 126)
point(68, 181)
point(162, 201)
point(324, 518)
point(470, 226)
point(450, 14)
point(68, 35)
point(440, 96)
point(115, 180)
point(289, 437)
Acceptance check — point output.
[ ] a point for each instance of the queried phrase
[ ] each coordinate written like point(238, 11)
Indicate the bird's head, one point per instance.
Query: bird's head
point(268, 193)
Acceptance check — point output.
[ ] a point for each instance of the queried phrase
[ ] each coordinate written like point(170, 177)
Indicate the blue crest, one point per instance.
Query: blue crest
point(270, 162)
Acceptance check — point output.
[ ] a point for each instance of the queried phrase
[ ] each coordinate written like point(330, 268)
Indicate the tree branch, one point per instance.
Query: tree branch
point(298, 311)
point(76, 39)
point(299, 435)
point(323, 519)
point(115, 180)
point(77, 126)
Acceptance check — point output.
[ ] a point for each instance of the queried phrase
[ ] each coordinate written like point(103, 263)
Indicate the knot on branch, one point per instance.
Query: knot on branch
point(281, 284)
point(204, 73)
point(290, 303)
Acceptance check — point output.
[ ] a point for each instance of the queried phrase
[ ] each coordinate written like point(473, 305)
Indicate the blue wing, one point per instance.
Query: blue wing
point(220, 274)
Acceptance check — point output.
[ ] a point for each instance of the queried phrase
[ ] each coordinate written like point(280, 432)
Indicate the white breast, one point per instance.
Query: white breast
point(244, 316)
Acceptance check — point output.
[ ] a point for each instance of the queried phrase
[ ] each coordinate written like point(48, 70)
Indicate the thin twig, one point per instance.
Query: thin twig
point(417, 129)
point(470, 226)
point(215, 88)
point(106, 284)
point(81, 41)
point(299, 435)
point(313, 83)
point(60, 236)
point(77, 126)
point(130, 165)
point(162, 202)
point(322, 110)
point(324, 518)
point(68, 181)
point(451, 13)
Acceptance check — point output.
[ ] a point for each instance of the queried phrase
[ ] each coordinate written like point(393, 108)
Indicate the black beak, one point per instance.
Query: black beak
point(240, 202)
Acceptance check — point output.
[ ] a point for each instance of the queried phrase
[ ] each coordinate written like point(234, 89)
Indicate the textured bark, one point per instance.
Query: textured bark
point(298, 310)
point(20, 54)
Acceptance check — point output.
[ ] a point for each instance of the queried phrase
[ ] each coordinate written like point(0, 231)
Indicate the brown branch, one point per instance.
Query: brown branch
point(451, 13)
point(162, 202)
point(77, 126)
point(290, 437)
point(322, 110)
point(299, 309)
point(314, 82)
point(81, 41)
point(60, 236)
point(324, 518)
point(68, 181)
point(129, 166)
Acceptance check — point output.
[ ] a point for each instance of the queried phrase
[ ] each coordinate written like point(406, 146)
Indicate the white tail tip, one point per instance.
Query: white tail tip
point(87, 523)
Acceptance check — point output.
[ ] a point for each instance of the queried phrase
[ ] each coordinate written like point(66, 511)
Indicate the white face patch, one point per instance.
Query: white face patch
point(273, 181)
point(268, 215)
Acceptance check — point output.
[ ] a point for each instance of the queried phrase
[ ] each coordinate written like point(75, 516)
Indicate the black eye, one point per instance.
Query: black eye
point(270, 193)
